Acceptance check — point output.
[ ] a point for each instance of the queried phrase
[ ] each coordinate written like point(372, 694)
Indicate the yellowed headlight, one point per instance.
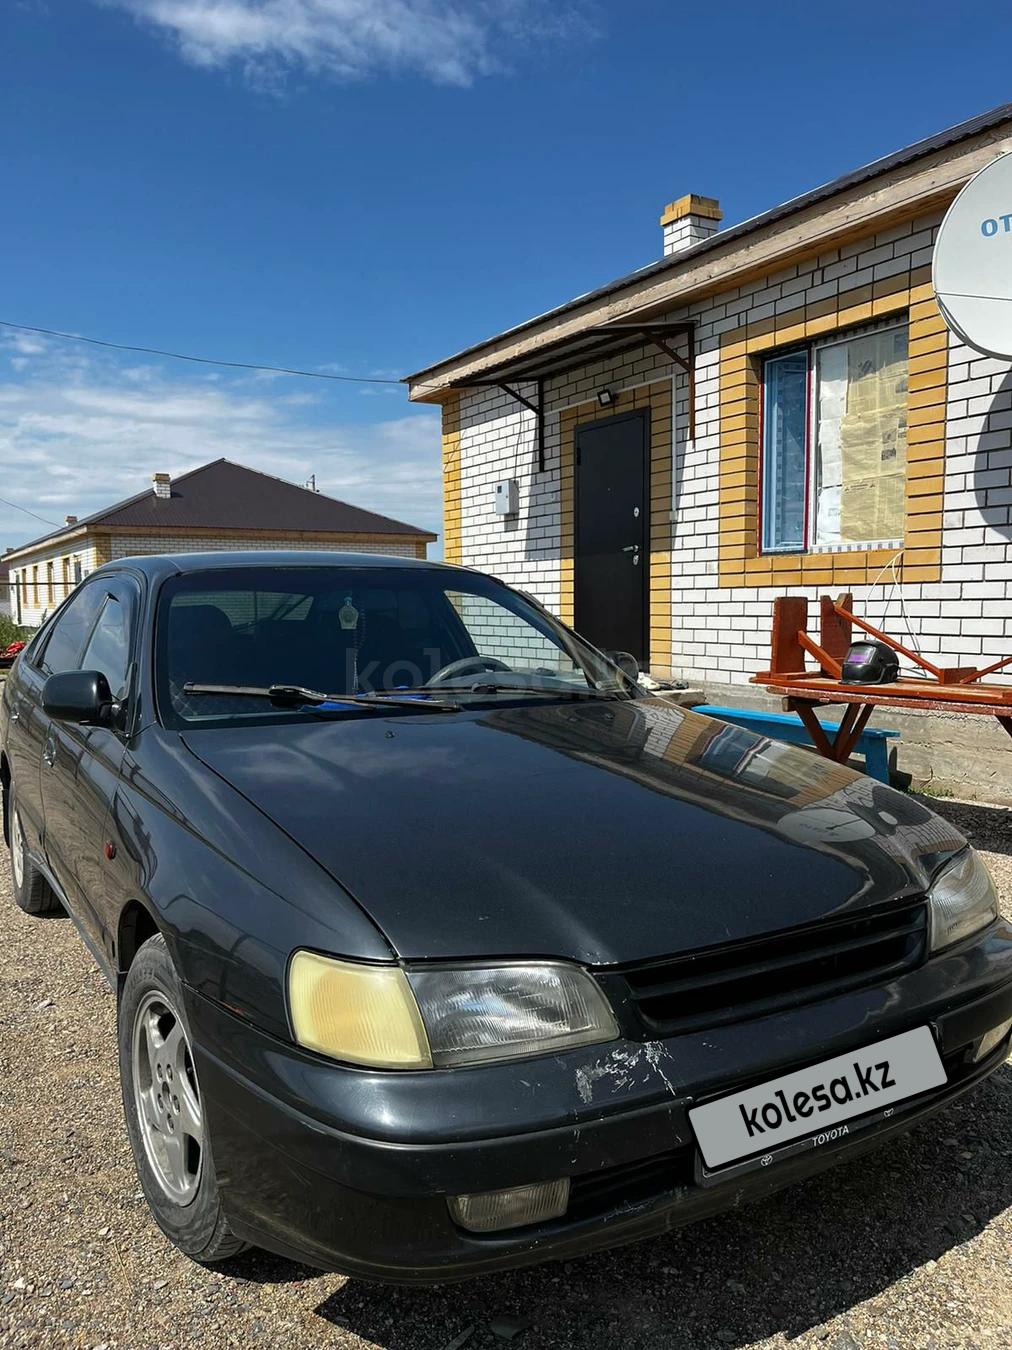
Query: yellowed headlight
point(358, 1013)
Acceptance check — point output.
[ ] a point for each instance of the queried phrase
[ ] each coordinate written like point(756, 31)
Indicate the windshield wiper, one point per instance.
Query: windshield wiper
point(490, 687)
point(295, 695)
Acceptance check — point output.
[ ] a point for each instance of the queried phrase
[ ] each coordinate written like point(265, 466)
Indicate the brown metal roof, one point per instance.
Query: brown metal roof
point(226, 496)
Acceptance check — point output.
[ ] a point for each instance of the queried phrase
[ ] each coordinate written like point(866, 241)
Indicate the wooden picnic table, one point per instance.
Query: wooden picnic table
point(803, 690)
point(860, 702)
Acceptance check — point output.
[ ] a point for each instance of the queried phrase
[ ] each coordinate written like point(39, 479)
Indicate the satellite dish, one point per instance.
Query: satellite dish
point(972, 265)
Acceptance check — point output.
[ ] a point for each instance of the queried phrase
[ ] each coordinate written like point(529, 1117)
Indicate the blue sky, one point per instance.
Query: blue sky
point(364, 186)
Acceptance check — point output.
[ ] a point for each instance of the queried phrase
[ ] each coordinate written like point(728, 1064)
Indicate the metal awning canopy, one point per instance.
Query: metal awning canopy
point(598, 343)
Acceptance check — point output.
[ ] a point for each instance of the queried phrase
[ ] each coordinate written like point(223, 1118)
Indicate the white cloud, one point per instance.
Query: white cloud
point(447, 41)
point(76, 436)
point(28, 344)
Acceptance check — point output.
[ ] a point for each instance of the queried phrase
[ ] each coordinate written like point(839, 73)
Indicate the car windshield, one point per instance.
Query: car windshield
point(226, 637)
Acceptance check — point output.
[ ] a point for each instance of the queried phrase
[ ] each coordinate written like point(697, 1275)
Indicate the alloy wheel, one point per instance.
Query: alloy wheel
point(167, 1098)
point(17, 850)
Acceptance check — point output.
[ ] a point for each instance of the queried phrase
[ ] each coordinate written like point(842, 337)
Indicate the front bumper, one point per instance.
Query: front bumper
point(348, 1169)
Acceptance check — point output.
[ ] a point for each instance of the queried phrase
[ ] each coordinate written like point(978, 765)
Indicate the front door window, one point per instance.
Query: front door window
point(108, 646)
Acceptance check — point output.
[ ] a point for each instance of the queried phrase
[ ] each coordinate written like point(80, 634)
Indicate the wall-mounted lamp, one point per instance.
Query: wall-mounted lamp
point(605, 397)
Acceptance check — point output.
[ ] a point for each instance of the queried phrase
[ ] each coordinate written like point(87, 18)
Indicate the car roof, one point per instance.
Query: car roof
point(160, 565)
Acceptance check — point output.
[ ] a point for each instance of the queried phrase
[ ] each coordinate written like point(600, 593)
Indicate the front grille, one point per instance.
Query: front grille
point(765, 975)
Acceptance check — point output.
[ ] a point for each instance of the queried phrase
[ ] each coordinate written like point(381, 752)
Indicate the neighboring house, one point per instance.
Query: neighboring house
point(219, 506)
point(773, 408)
point(6, 593)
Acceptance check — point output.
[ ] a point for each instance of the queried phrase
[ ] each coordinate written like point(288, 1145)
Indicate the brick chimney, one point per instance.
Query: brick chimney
point(70, 520)
point(162, 484)
point(688, 221)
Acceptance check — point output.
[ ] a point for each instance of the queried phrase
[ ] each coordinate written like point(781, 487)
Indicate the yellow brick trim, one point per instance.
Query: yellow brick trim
point(452, 510)
point(741, 353)
point(657, 398)
point(691, 205)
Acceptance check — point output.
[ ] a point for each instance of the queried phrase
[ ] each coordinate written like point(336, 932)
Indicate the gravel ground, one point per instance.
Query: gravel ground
point(908, 1247)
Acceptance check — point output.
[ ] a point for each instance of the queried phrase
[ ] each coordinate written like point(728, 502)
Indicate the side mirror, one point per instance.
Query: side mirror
point(78, 696)
point(626, 663)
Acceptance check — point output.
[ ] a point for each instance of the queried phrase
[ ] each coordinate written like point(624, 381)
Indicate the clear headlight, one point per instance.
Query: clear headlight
point(962, 900)
point(474, 1014)
point(395, 1019)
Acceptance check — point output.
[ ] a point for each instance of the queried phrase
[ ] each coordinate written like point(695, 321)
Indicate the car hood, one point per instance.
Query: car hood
point(605, 832)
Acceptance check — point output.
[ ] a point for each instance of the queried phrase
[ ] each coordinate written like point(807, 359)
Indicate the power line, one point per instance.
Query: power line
point(27, 512)
point(200, 360)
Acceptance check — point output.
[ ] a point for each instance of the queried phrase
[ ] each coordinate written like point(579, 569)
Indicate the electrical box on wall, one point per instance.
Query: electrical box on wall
point(507, 497)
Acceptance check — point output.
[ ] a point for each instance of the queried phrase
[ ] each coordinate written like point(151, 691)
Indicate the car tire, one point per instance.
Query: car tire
point(32, 892)
point(165, 1120)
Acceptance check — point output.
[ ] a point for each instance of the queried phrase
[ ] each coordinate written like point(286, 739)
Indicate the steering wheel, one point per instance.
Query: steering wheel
point(466, 665)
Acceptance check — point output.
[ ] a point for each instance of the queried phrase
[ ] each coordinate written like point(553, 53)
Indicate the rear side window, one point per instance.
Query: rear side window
point(66, 638)
point(108, 646)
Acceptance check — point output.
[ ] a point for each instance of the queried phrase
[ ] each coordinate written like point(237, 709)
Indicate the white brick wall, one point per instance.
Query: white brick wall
point(721, 635)
point(25, 608)
point(496, 442)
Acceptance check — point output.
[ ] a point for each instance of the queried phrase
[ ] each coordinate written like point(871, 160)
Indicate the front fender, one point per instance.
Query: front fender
point(232, 893)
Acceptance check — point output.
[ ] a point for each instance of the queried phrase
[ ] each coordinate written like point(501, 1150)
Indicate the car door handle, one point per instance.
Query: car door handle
point(631, 548)
point(49, 750)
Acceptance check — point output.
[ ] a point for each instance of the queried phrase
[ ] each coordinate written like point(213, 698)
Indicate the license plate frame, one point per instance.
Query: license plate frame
point(733, 1130)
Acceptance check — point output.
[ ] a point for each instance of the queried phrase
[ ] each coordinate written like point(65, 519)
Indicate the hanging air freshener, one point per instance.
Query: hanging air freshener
point(348, 614)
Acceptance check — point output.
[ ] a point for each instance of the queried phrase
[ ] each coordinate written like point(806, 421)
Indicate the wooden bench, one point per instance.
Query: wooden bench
point(788, 727)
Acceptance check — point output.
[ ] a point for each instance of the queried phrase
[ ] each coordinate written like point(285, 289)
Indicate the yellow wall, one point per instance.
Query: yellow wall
point(741, 350)
point(452, 551)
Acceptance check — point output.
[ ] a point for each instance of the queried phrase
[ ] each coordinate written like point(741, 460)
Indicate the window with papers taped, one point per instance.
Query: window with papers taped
point(834, 442)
